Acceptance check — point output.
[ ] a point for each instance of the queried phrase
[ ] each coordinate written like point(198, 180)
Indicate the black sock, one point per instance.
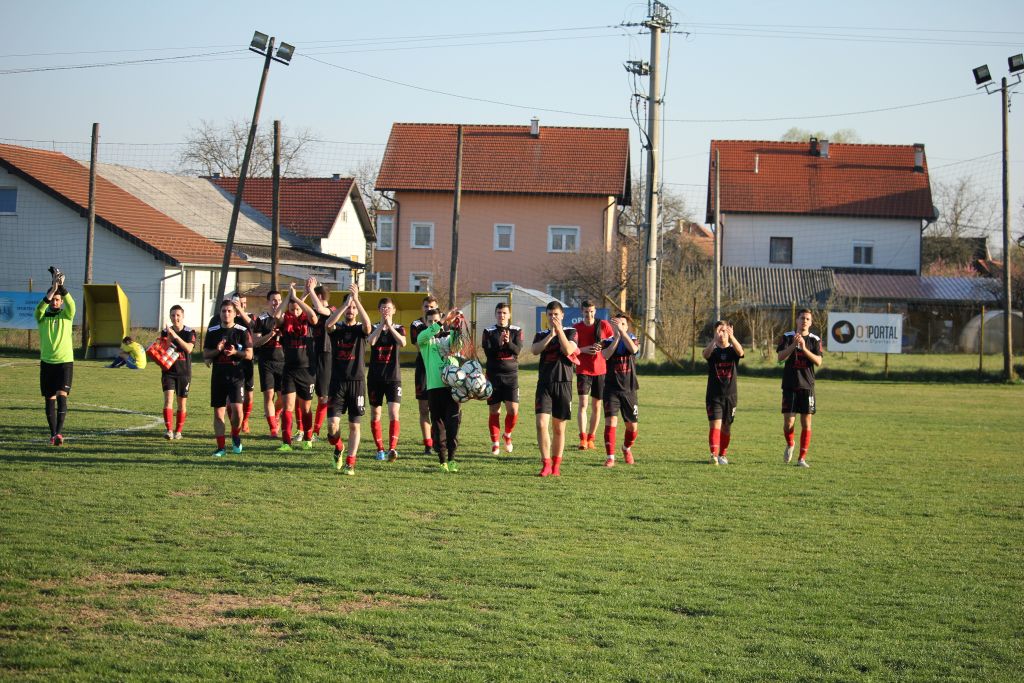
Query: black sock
point(62, 412)
point(51, 414)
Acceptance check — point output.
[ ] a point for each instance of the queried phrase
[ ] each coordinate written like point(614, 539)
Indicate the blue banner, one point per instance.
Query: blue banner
point(18, 309)
point(573, 315)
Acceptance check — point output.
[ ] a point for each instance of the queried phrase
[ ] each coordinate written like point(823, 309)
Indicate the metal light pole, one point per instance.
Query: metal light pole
point(264, 45)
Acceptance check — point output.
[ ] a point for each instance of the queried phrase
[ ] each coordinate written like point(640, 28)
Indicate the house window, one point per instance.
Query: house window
point(385, 233)
point(385, 281)
point(781, 250)
point(214, 283)
point(504, 237)
point(499, 286)
point(863, 253)
point(8, 200)
point(563, 238)
point(422, 236)
point(567, 295)
point(188, 285)
point(420, 282)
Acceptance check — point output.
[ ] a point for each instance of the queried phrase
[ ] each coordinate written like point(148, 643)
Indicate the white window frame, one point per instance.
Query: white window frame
point(498, 286)
point(412, 235)
point(862, 245)
point(415, 278)
point(511, 237)
point(563, 231)
point(188, 285)
point(781, 263)
point(564, 294)
point(388, 245)
point(15, 212)
point(386, 276)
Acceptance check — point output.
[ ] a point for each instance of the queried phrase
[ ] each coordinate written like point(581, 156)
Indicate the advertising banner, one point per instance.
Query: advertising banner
point(870, 332)
point(17, 309)
point(573, 315)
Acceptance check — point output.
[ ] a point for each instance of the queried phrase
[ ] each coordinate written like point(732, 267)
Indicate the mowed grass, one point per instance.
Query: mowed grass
point(897, 556)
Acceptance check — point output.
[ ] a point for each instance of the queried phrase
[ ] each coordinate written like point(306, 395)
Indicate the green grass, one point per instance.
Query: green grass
point(896, 557)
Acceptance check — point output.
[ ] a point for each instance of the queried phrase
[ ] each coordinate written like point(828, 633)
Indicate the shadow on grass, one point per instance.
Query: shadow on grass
point(236, 461)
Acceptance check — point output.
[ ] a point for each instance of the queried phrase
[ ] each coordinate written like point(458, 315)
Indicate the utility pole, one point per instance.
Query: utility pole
point(453, 274)
point(659, 18)
point(275, 212)
point(718, 236)
point(90, 232)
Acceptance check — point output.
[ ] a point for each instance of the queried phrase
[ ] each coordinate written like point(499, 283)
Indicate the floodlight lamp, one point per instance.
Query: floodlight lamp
point(285, 52)
point(1016, 63)
point(259, 41)
point(982, 75)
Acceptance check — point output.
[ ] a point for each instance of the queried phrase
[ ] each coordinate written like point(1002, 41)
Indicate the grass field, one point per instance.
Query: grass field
point(897, 556)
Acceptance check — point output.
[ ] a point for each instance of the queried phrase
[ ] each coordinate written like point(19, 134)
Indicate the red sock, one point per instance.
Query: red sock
point(336, 441)
point(378, 437)
point(286, 431)
point(545, 470)
point(247, 407)
point(583, 436)
point(307, 418)
point(220, 442)
point(428, 442)
point(181, 420)
point(168, 414)
point(510, 422)
point(350, 460)
point(556, 462)
point(272, 423)
point(789, 434)
point(725, 441)
point(609, 440)
point(393, 429)
point(631, 432)
point(714, 440)
point(805, 441)
point(321, 414)
point(494, 425)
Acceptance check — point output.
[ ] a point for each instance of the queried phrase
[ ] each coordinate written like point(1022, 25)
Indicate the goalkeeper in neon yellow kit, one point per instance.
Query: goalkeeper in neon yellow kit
point(55, 316)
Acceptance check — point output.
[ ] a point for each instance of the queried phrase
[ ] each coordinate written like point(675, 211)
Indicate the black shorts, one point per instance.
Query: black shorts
point(619, 401)
point(421, 383)
point(177, 383)
point(554, 400)
point(798, 401)
point(247, 368)
point(322, 382)
point(347, 398)
point(226, 388)
point(54, 377)
point(506, 388)
point(381, 391)
point(272, 376)
point(590, 385)
point(721, 408)
point(298, 381)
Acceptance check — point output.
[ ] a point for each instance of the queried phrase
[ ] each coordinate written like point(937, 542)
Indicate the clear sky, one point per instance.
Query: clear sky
point(792, 61)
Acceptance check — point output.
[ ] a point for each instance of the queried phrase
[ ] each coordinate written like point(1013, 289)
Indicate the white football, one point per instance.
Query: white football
point(450, 375)
point(460, 394)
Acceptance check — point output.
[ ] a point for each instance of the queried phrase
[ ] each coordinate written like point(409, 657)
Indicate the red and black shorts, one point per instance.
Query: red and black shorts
point(555, 400)
point(505, 389)
point(347, 397)
point(179, 384)
point(590, 385)
point(298, 381)
point(721, 408)
point(381, 391)
point(54, 377)
point(624, 402)
point(798, 401)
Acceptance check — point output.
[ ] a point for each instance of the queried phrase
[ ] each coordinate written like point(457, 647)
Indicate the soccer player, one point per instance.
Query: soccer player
point(429, 302)
point(620, 389)
point(801, 352)
point(445, 412)
point(295, 320)
point(175, 380)
point(241, 317)
point(723, 355)
point(226, 345)
point(501, 344)
point(55, 316)
point(384, 379)
point(320, 302)
point(590, 373)
point(348, 377)
point(266, 338)
point(556, 347)
point(131, 356)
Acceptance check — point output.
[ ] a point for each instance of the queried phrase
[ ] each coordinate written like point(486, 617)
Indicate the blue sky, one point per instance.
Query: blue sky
point(737, 60)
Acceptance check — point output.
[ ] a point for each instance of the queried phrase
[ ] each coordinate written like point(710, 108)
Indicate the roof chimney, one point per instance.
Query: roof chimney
point(757, 160)
point(336, 176)
point(823, 150)
point(814, 146)
point(918, 157)
point(216, 174)
point(535, 127)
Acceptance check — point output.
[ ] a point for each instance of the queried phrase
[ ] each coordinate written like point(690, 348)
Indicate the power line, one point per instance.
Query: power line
point(98, 65)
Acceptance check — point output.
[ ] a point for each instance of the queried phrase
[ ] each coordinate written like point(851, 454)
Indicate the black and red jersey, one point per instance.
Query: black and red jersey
point(384, 362)
point(621, 368)
point(296, 339)
point(555, 366)
point(183, 366)
point(271, 350)
point(502, 358)
point(349, 346)
point(722, 366)
point(237, 336)
point(798, 373)
point(414, 331)
point(321, 340)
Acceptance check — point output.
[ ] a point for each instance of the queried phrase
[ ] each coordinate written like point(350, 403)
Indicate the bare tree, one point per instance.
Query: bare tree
point(847, 135)
point(211, 149)
point(671, 208)
point(965, 209)
point(591, 274)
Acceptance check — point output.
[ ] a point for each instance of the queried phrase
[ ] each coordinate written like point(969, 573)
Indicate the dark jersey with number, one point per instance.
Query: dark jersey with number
point(183, 366)
point(384, 365)
point(349, 346)
point(296, 339)
point(798, 373)
point(271, 350)
point(722, 366)
point(555, 366)
point(502, 359)
point(236, 336)
point(621, 368)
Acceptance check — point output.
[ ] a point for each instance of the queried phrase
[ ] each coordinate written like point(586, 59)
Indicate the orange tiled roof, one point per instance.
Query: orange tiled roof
point(876, 181)
point(309, 206)
point(120, 212)
point(577, 161)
